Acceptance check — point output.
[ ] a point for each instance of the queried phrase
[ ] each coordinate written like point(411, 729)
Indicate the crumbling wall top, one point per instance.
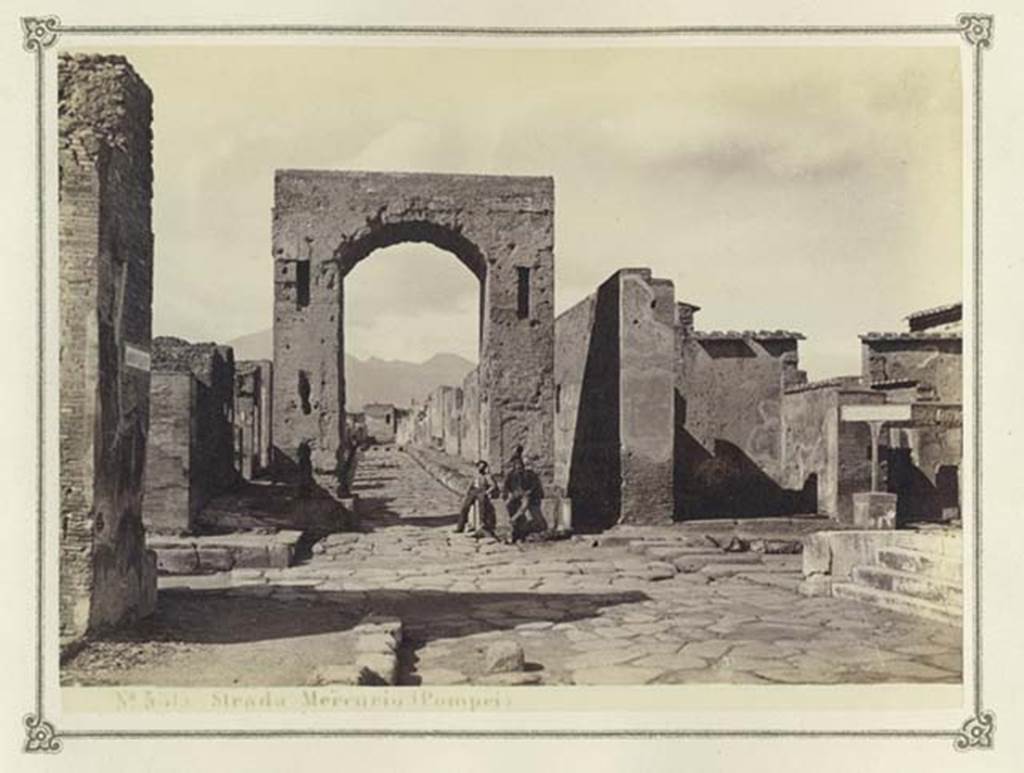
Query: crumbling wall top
point(102, 102)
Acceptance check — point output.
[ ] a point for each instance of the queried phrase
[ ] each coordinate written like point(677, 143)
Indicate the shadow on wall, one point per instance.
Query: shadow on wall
point(595, 471)
point(726, 483)
point(919, 498)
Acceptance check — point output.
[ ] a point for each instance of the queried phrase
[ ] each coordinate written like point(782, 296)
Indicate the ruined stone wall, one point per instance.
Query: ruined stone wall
point(728, 422)
point(614, 382)
point(106, 265)
point(172, 500)
point(380, 422)
point(214, 369)
point(647, 391)
point(469, 428)
point(924, 463)
point(266, 413)
point(452, 397)
point(827, 459)
point(573, 331)
point(405, 428)
point(436, 416)
point(933, 360)
point(247, 418)
point(501, 228)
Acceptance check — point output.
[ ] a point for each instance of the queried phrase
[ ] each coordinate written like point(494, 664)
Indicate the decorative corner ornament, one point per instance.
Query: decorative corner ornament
point(976, 28)
point(41, 737)
point(40, 31)
point(976, 732)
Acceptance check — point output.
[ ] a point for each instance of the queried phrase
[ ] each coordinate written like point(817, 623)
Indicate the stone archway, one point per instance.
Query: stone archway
point(500, 228)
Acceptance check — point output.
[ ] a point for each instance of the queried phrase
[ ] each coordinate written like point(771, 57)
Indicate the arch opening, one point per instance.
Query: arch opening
point(380, 235)
point(412, 338)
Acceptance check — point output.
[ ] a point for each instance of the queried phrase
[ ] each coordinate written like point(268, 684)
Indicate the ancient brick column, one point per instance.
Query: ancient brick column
point(106, 268)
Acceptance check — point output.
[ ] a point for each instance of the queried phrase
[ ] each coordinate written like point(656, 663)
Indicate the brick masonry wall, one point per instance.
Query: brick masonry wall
point(171, 505)
point(106, 263)
point(214, 369)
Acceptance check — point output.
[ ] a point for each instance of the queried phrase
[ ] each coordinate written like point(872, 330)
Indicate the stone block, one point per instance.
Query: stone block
point(694, 563)
point(874, 510)
point(213, 559)
point(177, 560)
point(251, 557)
point(441, 677)
point(376, 642)
point(504, 656)
point(816, 585)
point(340, 675)
point(381, 625)
point(377, 668)
point(279, 555)
point(557, 512)
point(510, 678)
point(817, 555)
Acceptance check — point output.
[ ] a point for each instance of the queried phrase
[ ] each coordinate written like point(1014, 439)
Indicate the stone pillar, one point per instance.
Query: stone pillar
point(646, 396)
point(107, 576)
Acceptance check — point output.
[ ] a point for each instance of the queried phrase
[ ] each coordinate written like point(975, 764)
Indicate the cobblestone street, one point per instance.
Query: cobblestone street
point(584, 611)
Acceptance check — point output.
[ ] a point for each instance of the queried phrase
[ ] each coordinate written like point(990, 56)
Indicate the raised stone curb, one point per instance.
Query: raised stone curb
point(222, 553)
point(377, 640)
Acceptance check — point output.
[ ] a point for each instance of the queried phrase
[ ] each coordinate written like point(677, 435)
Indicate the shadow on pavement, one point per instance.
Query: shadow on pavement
point(246, 614)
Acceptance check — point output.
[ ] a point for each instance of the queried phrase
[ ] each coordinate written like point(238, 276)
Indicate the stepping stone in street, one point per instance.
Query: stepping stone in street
point(504, 656)
point(614, 675)
point(441, 677)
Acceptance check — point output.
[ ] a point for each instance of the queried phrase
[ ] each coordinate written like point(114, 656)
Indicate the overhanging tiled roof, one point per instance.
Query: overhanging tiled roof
point(755, 335)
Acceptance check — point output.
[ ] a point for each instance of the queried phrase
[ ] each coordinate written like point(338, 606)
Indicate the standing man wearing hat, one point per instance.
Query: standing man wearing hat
point(478, 495)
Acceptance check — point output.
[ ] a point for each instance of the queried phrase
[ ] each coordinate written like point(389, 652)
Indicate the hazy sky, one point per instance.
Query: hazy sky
point(815, 189)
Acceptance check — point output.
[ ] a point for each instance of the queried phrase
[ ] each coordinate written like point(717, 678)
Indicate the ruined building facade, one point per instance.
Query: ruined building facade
point(253, 409)
point(192, 442)
point(500, 228)
point(106, 271)
point(656, 420)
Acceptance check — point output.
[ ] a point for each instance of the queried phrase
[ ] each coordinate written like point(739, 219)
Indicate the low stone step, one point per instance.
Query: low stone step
point(694, 563)
point(926, 564)
point(662, 552)
point(882, 578)
point(944, 542)
point(896, 602)
point(224, 552)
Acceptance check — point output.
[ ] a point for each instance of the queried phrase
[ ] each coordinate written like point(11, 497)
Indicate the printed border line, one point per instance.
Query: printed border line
point(976, 29)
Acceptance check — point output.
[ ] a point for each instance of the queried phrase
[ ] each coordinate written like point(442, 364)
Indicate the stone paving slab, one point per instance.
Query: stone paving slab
point(582, 614)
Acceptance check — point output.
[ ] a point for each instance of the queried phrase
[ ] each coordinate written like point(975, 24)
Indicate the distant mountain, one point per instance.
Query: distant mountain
point(373, 379)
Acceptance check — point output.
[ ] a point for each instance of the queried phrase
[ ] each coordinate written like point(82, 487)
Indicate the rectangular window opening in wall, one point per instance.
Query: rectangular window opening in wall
point(558, 398)
point(302, 283)
point(523, 295)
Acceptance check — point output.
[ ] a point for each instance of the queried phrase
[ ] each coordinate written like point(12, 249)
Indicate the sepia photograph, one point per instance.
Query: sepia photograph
point(585, 365)
point(606, 389)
